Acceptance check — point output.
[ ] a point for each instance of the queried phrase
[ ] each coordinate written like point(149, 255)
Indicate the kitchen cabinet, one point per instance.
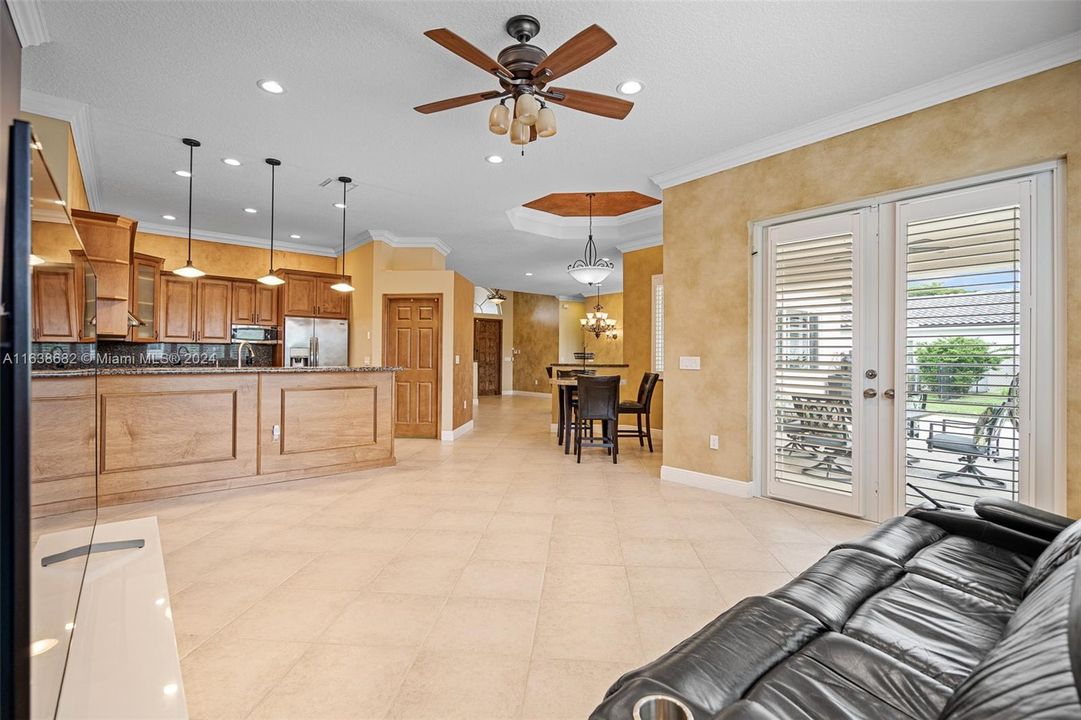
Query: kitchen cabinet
point(54, 315)
point(331, 303)
point(86, 296)
point(176, 309)
point(301, 294)
point(109, 241)
point(266, 305)
point(145, 274)
point(243, 302)
point(213, 310)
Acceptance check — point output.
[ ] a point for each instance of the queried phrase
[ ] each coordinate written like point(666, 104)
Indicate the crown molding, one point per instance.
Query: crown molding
point(1036, 59)
point(626, 228)
point(77, 115)
point(230, 239)
point(397, 241)
point(29, 22)
point(642, 244)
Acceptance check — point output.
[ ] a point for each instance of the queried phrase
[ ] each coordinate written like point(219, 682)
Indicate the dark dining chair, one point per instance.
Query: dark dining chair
point(598, 399)
point(641, 407)
point(573, 391)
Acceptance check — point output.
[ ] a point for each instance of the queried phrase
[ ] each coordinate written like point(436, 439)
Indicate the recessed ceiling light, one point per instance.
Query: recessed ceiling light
point(231, 161)
point(168, 217)
point(529, 274)
point(340, 206)
point(271, 86)
point(295, 236)
point(629, 87)
point(250, 210)
point(182, 173)
point(494, 159)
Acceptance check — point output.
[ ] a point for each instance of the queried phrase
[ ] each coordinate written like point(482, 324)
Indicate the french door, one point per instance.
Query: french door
point(908, 352)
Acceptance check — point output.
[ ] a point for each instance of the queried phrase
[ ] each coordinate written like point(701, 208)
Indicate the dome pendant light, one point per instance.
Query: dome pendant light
point(189, 270)
point(343, 285)
point(270, 278)
point(591, 270)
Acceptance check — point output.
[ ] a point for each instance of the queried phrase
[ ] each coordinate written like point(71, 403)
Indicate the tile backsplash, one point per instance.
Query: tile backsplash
point(113, 353)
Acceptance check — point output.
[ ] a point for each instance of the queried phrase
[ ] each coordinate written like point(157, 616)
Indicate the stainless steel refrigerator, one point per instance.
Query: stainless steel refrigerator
point(314, 342)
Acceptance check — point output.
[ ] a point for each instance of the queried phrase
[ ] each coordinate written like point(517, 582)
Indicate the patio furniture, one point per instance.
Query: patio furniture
point(598, 399)
point(969, 446)
point(825, 430)
point(641, 407)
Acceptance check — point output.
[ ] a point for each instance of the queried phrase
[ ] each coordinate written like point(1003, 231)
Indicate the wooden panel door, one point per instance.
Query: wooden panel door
point(214, 310)
point(243, 302)
point(176, 308)
point(331, 303)
point(488, 351)
point(412, 341)
point(55, 319)
point(300, 295)
point(266, 305)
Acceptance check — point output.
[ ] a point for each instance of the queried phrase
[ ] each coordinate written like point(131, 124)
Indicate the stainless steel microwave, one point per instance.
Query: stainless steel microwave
point(255, 334)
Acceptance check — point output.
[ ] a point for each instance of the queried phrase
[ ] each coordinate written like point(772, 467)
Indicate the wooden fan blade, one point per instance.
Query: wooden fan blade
point(583, 48)
point(593, 103)
point(463, 49)
point(457, 102)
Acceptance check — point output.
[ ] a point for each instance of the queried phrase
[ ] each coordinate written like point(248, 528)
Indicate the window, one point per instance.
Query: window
point(482, 305)
point(658, 323)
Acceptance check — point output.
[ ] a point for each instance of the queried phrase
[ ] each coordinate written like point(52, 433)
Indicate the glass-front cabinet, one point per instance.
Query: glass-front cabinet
point(145, 270)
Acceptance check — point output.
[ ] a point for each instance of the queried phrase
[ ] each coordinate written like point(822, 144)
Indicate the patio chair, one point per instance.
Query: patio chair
point(827, 431)
point(980, 443)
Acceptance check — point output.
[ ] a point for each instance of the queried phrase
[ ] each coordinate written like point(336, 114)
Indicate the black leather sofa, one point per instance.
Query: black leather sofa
point(937, 614)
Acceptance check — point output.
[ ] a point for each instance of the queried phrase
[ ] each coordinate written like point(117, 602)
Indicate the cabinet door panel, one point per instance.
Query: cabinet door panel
point(266, 305)
point(144, 298)
point(177, 309)
point(244, 303)
point(214, 310)
point(300, 295)
point(54, 305)
point(332, 303)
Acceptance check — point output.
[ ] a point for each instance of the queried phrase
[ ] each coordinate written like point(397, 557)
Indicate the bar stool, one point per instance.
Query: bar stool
point(640, 408)
point(598, 399)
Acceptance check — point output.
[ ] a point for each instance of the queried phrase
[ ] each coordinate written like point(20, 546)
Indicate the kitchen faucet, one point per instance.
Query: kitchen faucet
point(240, 353)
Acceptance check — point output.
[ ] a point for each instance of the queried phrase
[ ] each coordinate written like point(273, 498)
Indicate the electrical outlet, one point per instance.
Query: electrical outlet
point(536, 381)
point(367, 359)
point(457, 359)
point(714, 442)
point(464, 405)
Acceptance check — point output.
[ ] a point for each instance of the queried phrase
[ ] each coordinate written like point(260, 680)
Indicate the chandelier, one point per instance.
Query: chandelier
point(590, 269)
point(495, 297)
point(598, 322)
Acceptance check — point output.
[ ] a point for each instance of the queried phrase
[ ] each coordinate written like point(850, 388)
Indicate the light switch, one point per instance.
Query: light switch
point(690, 362)
point(457, 359)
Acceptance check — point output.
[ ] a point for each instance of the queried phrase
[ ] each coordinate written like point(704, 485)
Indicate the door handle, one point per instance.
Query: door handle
point(870, 393)
point(889, 394)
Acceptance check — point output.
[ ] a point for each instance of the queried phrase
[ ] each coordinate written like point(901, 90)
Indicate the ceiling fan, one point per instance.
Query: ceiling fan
point(523, 72)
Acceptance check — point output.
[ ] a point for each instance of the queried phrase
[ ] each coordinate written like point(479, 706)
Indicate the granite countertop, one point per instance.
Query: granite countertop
point(201, 370)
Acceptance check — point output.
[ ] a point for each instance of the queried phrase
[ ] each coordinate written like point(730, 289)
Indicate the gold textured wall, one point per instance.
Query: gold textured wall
point(230, 260)
point(358, 263)
point(536, 340)
point(639, 267)
point(707, 261)
point(463, 350)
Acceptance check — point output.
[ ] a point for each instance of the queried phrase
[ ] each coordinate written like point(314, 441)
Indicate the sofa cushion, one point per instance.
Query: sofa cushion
point(972, 566)
point(1063, 548)
point(897, 539)
point(835, 676)
point(935, 628)
point(716, 665)
point(835, 586)
point(1028, 674)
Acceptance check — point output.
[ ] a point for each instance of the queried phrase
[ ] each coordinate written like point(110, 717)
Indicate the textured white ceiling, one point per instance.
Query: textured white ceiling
point(717, 75)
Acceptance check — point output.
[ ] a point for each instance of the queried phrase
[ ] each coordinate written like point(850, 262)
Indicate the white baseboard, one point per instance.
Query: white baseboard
point(716, 483)
point(449, 436)
point(527, 393)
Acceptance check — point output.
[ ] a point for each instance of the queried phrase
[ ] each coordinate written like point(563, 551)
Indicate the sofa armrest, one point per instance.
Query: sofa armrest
point(1029, 520)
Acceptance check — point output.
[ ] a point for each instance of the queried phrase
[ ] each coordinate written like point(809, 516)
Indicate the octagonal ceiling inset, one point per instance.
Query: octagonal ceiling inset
point(605, 204)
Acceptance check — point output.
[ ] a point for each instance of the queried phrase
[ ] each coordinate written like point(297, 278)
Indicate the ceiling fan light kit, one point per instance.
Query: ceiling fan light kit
point(523, 72)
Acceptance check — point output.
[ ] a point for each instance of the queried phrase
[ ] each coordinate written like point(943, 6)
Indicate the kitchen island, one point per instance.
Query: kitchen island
point(168, 431)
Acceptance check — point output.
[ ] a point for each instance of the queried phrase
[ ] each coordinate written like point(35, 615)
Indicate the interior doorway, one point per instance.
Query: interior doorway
point(488, 354)
point(413, 341)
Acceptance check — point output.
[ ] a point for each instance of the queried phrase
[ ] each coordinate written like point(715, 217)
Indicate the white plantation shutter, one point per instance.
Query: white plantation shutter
point(658, 323)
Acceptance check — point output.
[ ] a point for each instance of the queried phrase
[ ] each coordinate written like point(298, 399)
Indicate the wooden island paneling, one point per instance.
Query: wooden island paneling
point(165, 432)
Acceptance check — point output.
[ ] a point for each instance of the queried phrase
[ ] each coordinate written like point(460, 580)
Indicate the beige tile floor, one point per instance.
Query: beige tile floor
point(491, 578)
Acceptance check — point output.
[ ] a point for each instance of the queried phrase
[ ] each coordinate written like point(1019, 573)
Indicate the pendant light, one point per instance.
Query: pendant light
point(343, 285)
point(189, 270)
point(270, 278)
point(591, 270)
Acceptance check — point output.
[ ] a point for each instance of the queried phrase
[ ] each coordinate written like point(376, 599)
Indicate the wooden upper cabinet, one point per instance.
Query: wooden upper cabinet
point(331, 303)
point(243, 302)
point(86, 296)
point(55, 317)
point(109, 241)
point(214, 312)
point(176, 309)
point(266, 305)
point(301, 294)
point(143, 302)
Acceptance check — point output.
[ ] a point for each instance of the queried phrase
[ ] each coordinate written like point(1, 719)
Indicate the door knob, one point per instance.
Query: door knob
point(889, 394)
point(870, 393)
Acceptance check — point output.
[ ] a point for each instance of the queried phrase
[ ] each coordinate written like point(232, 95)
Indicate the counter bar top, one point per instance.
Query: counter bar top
point(202, 370)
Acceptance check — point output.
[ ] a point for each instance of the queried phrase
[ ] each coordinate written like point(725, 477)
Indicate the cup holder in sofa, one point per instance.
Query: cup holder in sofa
point(661, 707)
